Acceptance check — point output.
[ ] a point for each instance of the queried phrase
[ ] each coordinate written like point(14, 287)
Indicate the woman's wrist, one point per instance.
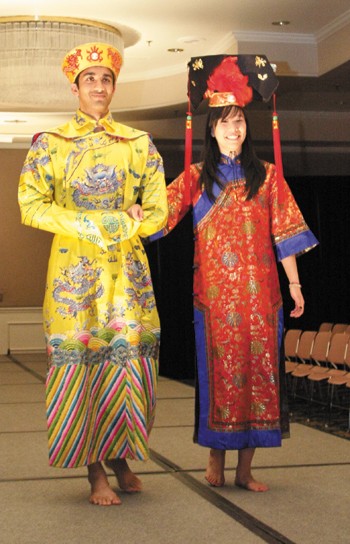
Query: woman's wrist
point(294, 284)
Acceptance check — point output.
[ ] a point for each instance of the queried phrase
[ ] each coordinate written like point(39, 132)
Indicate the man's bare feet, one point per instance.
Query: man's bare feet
point(251, 485)
point(127, 480)
point(101, 492)
point(216, 467)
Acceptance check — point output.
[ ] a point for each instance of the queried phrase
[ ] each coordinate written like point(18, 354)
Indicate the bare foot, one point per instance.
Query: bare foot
point(127, 480)
point(101, 492)
point(251, 485)
point(244, 476)
point(215, 469)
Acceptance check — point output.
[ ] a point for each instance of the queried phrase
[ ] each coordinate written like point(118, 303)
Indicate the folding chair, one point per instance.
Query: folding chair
point(348, 385)
point(340, 376)
point(303, 355)
point(291, 342)
point(339, 327)
point(329, 356)
point(325, 326)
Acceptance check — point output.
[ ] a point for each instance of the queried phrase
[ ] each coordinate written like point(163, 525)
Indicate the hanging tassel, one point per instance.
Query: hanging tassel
point(188, 156)
point(277, 142)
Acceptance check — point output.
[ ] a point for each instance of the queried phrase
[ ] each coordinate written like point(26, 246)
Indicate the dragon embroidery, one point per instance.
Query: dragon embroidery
point(77, 288)
point(98, 189)
point(136, 273)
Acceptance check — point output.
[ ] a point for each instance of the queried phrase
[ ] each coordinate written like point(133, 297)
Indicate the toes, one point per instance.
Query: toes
point(252, 485)
point(105, 501)
point(214, 481)
point(130, 487)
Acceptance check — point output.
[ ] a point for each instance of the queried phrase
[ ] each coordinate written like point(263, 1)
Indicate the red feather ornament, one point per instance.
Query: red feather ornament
point(227, 78)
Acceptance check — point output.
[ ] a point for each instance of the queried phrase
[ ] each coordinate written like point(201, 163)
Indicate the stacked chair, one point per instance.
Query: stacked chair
point(332, 365)
point(291, 343)
point(317, 365)
point(315, 358)
point(325, 326)
point(339, 383)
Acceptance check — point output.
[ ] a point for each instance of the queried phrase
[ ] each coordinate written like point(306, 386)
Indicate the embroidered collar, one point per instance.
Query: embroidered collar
point(82, 125)
point(225, 159)
point(83, 121)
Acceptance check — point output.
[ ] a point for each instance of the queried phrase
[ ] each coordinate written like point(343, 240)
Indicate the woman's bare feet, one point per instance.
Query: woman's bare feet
point(252, 485)
point(101, 492)
point(216, 467)
point(127, 480)
point(244, 476)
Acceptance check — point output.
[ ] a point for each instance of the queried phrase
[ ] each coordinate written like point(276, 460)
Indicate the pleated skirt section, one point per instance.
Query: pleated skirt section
point(100, 411)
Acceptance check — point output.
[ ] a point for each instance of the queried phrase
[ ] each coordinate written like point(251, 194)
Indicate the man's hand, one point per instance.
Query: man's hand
point(135, 212)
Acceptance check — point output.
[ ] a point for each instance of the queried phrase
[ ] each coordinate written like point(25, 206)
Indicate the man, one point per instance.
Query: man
point(82, 182)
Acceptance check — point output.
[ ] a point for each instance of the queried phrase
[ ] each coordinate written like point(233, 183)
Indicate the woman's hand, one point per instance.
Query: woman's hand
point(295, 293)
point(291, 270)
point(135, 212)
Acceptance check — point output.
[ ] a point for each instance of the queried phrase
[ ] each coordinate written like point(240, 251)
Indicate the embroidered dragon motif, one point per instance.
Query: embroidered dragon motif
point(77, 288)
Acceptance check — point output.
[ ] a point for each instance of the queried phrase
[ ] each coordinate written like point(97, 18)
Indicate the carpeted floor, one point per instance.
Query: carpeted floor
point(308, 500)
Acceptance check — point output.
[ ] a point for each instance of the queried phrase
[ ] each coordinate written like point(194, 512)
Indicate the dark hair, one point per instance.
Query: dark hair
point(253, 168)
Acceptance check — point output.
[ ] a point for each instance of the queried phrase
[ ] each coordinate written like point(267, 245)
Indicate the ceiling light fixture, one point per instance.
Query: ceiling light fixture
point(281, 23)
point(32, 49)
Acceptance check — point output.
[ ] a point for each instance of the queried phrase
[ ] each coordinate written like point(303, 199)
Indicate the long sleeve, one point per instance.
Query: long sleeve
point(290, 233)
point(104, 228)
point(176, 200)
point(153, 195)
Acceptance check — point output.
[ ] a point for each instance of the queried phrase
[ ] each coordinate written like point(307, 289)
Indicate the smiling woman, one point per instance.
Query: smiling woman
point(243, 213)
point(230, 132)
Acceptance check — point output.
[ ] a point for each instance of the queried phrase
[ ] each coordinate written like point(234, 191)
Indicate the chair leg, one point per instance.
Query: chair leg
point(330, 404)
point(294, 387)
point(327, 402)
point(310, 399)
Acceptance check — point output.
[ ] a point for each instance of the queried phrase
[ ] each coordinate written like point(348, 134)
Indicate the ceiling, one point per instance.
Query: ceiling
point(312, 52)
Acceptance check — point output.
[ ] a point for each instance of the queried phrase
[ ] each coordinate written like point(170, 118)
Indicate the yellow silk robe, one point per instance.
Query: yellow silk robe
point(100, 317)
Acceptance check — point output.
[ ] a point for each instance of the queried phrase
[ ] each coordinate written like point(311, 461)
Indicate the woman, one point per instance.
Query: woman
point(240, 212)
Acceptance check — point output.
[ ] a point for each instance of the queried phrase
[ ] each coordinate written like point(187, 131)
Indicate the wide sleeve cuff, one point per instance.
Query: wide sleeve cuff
point(156, 236)
point(296, 245)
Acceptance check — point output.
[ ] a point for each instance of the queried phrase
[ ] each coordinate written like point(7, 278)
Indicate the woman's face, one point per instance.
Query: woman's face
point(230, 133)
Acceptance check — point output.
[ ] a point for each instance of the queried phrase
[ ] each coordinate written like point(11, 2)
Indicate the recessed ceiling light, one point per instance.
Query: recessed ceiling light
point(281, 23)
point(175, 50)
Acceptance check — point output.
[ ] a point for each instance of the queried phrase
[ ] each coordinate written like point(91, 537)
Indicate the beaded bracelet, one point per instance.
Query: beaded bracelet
point(295, 284)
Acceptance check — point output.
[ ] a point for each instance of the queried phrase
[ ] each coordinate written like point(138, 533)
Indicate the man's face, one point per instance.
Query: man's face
point(95, 90)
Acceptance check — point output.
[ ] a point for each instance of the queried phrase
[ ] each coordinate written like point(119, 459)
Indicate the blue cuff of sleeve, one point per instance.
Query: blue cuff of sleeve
point(296, 245)
point(156, 236)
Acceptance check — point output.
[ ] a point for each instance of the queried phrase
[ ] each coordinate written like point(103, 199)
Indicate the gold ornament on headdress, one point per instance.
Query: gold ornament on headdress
point(88, 55)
